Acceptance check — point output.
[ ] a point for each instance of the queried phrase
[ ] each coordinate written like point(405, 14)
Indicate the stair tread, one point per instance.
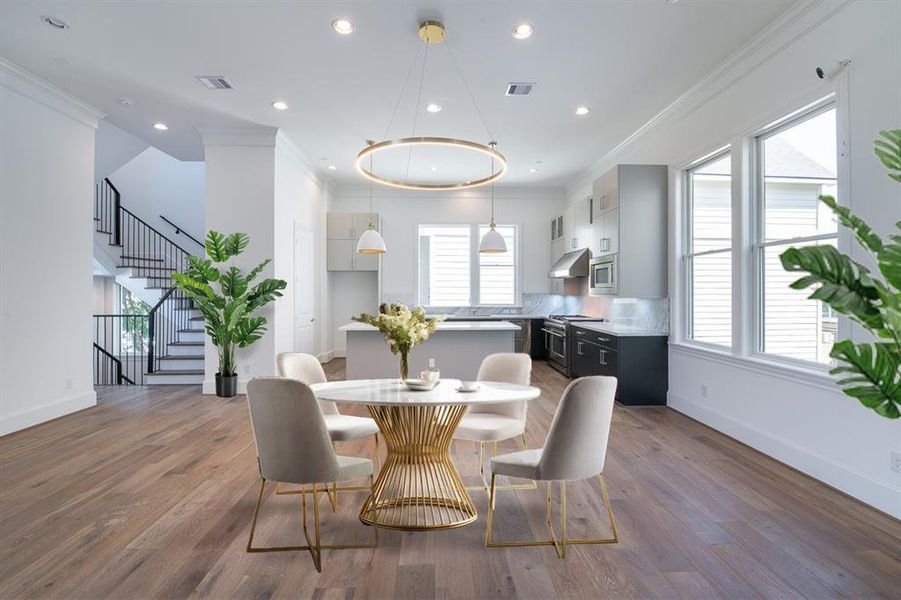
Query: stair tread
point(183, 357)
point(144, 258)
point(146, 268)
point(177, 372)
point(186, 343)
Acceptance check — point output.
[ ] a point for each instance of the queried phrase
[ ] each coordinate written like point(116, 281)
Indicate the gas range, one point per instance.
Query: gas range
point(557, 340)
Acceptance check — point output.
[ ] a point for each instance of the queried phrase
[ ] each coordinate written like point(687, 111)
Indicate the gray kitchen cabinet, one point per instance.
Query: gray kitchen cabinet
point(631, 201)
point(343, 231)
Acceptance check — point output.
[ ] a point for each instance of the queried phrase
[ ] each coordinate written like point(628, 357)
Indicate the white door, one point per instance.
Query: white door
point(304, 317)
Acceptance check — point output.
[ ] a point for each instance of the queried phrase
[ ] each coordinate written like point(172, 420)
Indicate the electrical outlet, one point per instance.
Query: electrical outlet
point(703, 391)
point(68, 383)
point(896, 461)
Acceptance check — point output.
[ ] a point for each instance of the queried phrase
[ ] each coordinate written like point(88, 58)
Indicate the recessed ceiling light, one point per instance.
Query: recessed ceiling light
point(332, 168)
point(533, 170)
point(160, 126)
point(523, 31)
point(433, 108)
point(582, 110)
point(343, 26)
point(125, 101)
point(279, 105)
point(54, 22)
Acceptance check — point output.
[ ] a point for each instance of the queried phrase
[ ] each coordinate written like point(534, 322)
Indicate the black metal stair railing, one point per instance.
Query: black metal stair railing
point(138, 341)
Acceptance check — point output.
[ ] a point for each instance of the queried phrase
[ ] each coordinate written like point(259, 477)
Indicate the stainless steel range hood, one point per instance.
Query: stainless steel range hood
point(571, 264)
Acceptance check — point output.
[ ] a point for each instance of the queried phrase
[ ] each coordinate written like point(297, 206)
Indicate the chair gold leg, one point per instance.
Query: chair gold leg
point(484, 486)
point(559, 546)
point(315, 548)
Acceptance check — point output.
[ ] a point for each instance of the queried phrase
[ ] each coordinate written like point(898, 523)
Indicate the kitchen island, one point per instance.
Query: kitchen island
point(458, 348)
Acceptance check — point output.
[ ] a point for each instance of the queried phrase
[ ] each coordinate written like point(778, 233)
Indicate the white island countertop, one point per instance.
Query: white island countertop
point(446, 326)
point(618, 329)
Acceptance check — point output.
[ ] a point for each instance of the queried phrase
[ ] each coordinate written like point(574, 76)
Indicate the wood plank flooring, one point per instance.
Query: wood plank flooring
point(150, 495)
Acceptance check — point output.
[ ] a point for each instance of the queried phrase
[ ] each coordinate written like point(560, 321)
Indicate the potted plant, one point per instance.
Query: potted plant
point(403, 328)
point(228, 312)
point(870, 372)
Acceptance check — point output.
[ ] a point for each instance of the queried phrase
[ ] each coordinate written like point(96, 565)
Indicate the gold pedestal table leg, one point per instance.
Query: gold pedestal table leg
point(418, 487)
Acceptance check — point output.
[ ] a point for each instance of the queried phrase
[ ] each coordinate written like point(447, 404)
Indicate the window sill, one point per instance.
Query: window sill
point(763, 366)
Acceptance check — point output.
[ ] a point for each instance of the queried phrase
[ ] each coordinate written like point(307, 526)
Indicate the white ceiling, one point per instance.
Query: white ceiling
point(624, 59)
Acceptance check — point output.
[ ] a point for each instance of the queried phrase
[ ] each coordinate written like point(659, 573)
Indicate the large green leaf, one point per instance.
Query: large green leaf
point(872, 374)
point(236, 243)
point(249, 331)
point(265, 292)
point(865, 235)
point(233, 283)
point(888, 151)
point(844, 285)
point(235, 310)
point(215, 246)
point(186, 283)
point(257, 270)
point(890, 260)
point(202, 269)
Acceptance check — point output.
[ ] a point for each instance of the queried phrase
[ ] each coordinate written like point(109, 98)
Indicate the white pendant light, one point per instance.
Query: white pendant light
point(492, 242)
point(371, 241)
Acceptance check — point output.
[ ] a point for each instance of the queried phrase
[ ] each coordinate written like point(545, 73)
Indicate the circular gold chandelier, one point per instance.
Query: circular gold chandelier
point(431, 32)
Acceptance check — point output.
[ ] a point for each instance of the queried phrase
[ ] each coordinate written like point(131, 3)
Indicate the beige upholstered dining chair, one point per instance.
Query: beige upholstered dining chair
point(498, 422)
point(293, 446)
point(341, 428)
point(575, 448)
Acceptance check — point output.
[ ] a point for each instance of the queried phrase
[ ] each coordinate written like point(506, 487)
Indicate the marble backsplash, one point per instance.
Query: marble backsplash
point(644, 313)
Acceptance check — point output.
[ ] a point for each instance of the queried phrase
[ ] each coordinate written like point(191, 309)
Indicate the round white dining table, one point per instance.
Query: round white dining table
point(418, 487)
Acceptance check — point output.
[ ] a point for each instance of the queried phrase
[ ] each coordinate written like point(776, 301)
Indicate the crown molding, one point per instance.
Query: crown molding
point(300, 158)
point(17, 79)
point(258, 136)
point(794, 24)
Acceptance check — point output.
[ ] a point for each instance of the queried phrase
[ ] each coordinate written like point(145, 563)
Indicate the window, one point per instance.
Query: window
point(796, 163)
point(708, 258)
point(452, 272)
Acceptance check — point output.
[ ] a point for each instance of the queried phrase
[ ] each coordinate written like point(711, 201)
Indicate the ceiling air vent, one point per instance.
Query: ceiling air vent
point(519, 89)
point(215, 82)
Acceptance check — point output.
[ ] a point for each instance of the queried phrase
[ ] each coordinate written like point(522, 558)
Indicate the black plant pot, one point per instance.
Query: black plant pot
point(226, 385)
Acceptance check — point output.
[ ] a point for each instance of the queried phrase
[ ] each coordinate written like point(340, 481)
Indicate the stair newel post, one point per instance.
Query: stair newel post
point(117, 213)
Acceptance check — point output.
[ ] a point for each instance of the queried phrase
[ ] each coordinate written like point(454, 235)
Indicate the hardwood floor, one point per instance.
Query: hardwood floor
point(150, 495)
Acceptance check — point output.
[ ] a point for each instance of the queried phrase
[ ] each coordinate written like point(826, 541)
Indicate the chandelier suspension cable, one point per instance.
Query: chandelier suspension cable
point(468, 90)
point(425, 61)
point(403, 89)
point(492, 145)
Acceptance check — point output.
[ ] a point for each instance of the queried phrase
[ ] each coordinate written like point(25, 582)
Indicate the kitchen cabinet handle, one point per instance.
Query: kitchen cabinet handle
point(603, 339)
point(580, 332)
point(602, 358)
point(579, 348)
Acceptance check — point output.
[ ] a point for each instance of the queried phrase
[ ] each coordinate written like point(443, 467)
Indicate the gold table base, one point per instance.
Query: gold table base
point(418, 487)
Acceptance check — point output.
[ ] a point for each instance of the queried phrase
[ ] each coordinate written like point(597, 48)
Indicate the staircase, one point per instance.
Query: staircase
point(166, 345)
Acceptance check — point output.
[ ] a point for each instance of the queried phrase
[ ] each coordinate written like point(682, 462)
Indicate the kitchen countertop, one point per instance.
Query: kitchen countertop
point(515, 317)
point(447, 326)
point(619, 329)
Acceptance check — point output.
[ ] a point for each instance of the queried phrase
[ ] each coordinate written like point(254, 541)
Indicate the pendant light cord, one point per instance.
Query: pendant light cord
point(469, 91)
point(370, 194)
point(425, 61)
point(403, 89)
point(492, 194)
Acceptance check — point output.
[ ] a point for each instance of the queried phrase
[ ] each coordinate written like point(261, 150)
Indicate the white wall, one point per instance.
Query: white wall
point(402, 212)
point(113, 148)
point(46, 288)
point(802, 420)
point(257, 182)
point(153, 184)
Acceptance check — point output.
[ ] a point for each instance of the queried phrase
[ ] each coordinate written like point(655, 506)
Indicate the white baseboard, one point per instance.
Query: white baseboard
point(326, 357)
point(209, 386)
point(874, 493)
point(40, 414)
point(340, 352)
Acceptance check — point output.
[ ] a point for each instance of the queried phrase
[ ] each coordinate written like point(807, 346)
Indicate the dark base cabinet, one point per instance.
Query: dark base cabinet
point(638, 362)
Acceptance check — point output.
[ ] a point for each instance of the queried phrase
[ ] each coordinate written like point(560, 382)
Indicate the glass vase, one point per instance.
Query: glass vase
point(404, 366)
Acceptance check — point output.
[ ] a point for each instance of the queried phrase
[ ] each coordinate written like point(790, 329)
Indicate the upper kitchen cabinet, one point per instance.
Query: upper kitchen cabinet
point(629, 223)
point(577, 231)
point(343, 231)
